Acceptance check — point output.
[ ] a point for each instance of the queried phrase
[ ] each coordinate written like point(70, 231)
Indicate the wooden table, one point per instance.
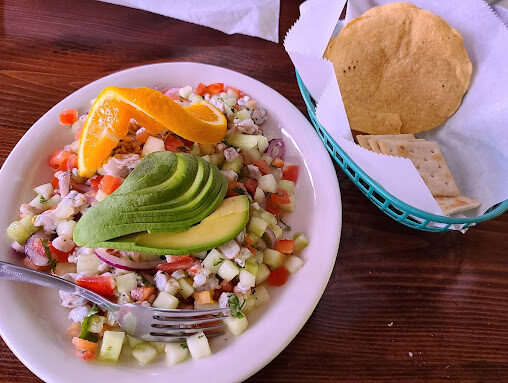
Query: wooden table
point(401, 304)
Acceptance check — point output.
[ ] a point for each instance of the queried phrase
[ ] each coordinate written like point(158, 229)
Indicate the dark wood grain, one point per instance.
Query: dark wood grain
point(401, 304)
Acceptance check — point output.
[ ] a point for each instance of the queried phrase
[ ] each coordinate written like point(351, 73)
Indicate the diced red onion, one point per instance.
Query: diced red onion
point(270, 238)
point(276, 148)
point(35, 251)
point(171, 91)
point(82, 188)
point(126, 264)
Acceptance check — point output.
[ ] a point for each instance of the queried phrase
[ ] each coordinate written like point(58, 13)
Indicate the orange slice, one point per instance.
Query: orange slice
point(109, 117)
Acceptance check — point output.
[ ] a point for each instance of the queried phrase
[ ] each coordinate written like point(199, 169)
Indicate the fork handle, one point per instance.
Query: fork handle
point(23, 274)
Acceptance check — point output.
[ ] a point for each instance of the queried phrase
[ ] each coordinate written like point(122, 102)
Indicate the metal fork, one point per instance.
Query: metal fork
point(145, 323)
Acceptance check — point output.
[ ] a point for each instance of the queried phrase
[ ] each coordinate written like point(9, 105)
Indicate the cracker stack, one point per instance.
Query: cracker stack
point(429, 162)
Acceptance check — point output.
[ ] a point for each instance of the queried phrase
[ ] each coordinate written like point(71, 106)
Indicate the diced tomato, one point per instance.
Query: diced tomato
point(251, 186)
point(54, 182)
point(200, 89)
point(281, 197)
point(176, 263)
point(263, 166)
point(63, 160)
point(187, 142)
point(235, 188)
point(232, 89)
point(95, 181)
point(61, 256)
point(86, 349)
point(247, 240)
point(285, 246)
point(140, 294)
point(290, 173)
point(226, 286)
point(109, 184)
point(77, 136)
point(100, 284)
point(271, 207)
point(215, 88)
point(278, 163)
point(142, 135)
point(174, 144)
point(278, 276)
point(68, 117)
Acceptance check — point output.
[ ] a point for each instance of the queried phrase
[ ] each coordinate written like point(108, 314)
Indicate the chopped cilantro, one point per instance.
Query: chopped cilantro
point(236, 307)
point(239, 191)
point(145, 281)
point(287, 227)
point(199, 337)
point(218, 261)
point(109, 348)
point(184, 346)
point(52, 262)
point(253, 291)
point(42, 200)
point(227, 144)
point(85, 325)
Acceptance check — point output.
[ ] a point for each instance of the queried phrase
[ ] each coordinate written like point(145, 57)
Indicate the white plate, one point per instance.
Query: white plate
point(33, 323)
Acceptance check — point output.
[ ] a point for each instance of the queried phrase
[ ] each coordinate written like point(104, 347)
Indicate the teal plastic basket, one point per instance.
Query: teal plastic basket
point(386, 202)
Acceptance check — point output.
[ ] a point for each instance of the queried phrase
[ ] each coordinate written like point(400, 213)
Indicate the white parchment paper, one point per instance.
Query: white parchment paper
point(474, 140)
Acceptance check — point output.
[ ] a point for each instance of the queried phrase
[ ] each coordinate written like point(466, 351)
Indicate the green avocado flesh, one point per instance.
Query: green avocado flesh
point(222, 225)
point(166, 192)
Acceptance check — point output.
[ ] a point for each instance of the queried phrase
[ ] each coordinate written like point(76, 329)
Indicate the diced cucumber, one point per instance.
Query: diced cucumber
point(236, 325)
point(126, 282)
point(268, 217)
point(186, 288)
point(87, 264)
point(96, 323)
point(176, 353)
point(112, 343)
point(53, 201)
point(217, 159)
point(262, 143)
point(229, 101)
point(293, 263)
point(242, 114)
point(66, 228)
point(274, 258)
point(39, 202)
point(268, 183)
point(185, 91)
point(242, 141)
point(207, 158)
point(28, 222)
point(133, 342)
point(259, 195)
point(144, 353)
point(263, 273)
point(17, 232)
point(255, 238)
point(195, 151)
point(207, 149)
point(290, 206)
point(261, 295)
point(166, 301)
point(198, 345)
point(277, 230)
point(159, 346)
point(235, 165)
point(101, 196)
point(258, 257)
point(152, 144)
point(257, 226)
point(300, 243)
point(247, 278)
point(250, 304)
point(252, 267)
point(44, 190)
point(253, 154)
point(267, 158)
point(228, 270)
point(63, 268)
point(287, 185)
point(213, 261)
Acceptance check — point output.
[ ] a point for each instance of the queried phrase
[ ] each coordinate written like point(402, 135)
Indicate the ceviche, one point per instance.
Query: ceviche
point(132, 212)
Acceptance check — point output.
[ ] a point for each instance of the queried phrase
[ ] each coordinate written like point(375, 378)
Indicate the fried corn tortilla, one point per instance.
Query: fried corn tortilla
point(401, 69)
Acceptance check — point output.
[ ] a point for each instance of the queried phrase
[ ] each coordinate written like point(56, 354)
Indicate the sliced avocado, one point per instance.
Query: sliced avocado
point(219, 227)
point(187, 196)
